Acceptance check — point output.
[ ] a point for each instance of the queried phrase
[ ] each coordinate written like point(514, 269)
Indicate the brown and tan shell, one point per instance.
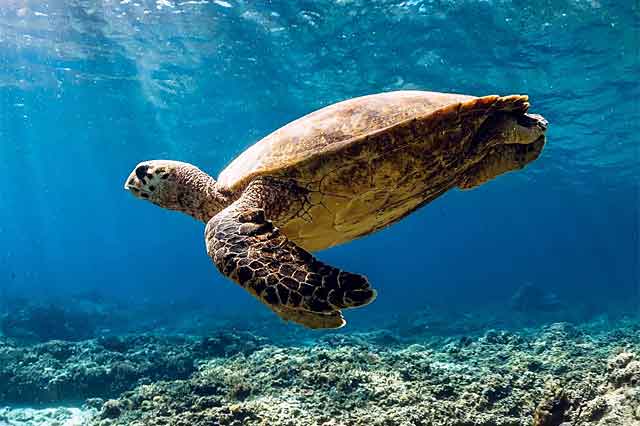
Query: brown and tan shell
point(331, 128)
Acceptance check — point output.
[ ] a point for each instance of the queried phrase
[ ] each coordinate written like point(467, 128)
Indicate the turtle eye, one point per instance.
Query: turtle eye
point(141, 171)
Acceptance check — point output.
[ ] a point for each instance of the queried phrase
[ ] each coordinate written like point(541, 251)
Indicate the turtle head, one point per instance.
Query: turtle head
point(175, 185)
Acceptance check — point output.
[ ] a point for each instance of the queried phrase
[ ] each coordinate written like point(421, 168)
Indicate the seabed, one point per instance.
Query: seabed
point(427, 368)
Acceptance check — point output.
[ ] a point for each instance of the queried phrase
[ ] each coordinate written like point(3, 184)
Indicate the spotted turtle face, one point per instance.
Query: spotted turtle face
point(157, 181)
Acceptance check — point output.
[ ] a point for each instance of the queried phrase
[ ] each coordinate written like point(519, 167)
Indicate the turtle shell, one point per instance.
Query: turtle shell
point(336, 127)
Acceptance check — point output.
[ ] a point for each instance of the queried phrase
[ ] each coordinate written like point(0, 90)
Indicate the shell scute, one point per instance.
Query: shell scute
point(345, 124)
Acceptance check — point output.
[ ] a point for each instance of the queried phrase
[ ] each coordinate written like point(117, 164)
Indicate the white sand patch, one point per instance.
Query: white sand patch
point(54, 416)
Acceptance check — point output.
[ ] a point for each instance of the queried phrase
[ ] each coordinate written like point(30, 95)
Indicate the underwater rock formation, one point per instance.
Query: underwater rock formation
point(76, 317)
point(530, 298)
point(88, 315)
point(42, 322)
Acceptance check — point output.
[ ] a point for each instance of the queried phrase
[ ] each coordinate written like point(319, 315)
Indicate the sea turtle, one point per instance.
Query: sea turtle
point(339, 173)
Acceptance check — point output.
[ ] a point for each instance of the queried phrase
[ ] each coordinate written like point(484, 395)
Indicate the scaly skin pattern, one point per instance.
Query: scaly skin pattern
point(337, 174)
point(250, 250)
point(178, 186)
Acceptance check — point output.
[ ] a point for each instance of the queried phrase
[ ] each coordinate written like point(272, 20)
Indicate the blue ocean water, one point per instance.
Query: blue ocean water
point(90, 88)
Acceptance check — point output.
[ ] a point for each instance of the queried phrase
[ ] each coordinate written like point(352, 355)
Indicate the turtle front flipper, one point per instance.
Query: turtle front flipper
point(250, 250)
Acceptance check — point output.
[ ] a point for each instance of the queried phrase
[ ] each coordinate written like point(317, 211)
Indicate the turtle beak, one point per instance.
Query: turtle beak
point(132, 184)
point(139, 183)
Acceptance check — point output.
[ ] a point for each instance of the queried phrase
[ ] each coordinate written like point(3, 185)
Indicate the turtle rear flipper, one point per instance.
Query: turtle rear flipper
point(505, 158)
point(250, 250)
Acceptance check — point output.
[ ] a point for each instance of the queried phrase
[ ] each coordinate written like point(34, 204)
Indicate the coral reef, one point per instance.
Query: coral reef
point(429, 368)
point(64, 371)
point(554, 375)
